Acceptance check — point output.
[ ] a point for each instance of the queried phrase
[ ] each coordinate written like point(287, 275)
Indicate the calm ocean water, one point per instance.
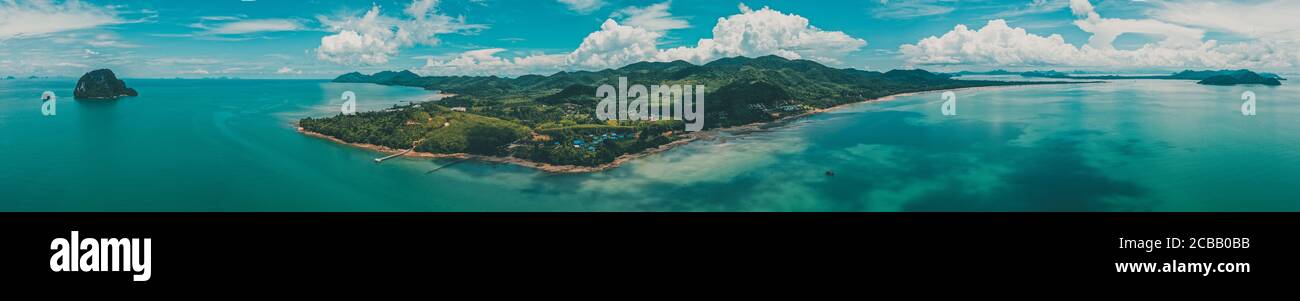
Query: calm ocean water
point(228, 145)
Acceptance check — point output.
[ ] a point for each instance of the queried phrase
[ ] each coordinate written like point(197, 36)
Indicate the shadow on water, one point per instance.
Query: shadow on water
point(457, 161)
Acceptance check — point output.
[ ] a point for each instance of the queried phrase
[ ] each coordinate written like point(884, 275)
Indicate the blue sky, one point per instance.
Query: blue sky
point(321, 39)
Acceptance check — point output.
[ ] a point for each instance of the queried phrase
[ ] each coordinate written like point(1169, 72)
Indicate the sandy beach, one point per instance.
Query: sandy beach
point(512, 160)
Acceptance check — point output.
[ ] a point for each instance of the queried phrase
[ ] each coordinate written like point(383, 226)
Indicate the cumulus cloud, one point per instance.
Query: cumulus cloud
point(994, 44)
point(21, 19)
point(768, 32)
point(999, 44)
point(372, 38)
point(615, 45)
point(750, 33)
point(352, 48)
point(654, 17)
point(583, 6)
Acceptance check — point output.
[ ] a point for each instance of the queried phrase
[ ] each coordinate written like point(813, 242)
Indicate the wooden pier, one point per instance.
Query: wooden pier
point(399, 154)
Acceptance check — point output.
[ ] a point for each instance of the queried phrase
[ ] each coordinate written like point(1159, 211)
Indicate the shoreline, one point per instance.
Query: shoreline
point(557, 169)
point(690, 137)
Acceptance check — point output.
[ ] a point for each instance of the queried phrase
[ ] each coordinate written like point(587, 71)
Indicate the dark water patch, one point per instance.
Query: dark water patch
point(1051, 176)
point(901, 128)
point(738, 194)
point(918, 153)
point(1134, 147)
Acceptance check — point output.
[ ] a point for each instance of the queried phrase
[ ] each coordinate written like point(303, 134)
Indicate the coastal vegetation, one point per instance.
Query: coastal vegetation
point(551, 119)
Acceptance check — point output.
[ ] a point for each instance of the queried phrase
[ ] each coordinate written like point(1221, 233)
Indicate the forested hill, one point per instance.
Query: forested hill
point(801, 79)
point(551, 119)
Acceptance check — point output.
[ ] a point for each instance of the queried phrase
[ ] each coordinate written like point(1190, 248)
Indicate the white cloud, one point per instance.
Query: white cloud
point(111, 43)
point(352, 48)
point(994, 44)
point(1082, 9)
point(21, 19)
point(421, 8)
point(1034, 7)
point(615, 45)
point(102, 40)
point(750, 33)
point(909, 9)
point(654, 17)
point(1105, 30)
point(196, 72)
point(373, 38)
point(583, 6)
point(287, 70)
point(998, 44)
point(767, 32)
point(1272, 19)
point(252, 26)
point(238, 69)
point(486, 62)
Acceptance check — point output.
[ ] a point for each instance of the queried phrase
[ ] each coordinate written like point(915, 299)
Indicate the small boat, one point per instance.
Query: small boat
point(830, 173)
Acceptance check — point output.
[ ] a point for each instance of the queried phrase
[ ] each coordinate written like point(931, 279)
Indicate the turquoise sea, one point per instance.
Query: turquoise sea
point(229, 145)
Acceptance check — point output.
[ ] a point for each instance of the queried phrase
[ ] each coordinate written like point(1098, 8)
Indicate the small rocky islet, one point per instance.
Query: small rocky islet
point(101, 84)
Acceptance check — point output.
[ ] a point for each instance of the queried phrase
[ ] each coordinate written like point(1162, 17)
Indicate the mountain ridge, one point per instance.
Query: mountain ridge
point(816, 80)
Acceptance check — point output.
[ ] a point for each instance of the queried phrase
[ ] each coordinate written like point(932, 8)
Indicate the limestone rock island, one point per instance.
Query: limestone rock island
point(101, 84)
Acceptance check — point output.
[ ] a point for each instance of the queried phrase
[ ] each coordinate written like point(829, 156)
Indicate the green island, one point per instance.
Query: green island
point(548, 122)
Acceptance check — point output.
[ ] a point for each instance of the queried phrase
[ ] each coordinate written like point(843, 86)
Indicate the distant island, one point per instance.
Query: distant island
point(1207, 77)
point(1240, 77)
point(548, 122)
point(991, 72)
point(101, 84)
